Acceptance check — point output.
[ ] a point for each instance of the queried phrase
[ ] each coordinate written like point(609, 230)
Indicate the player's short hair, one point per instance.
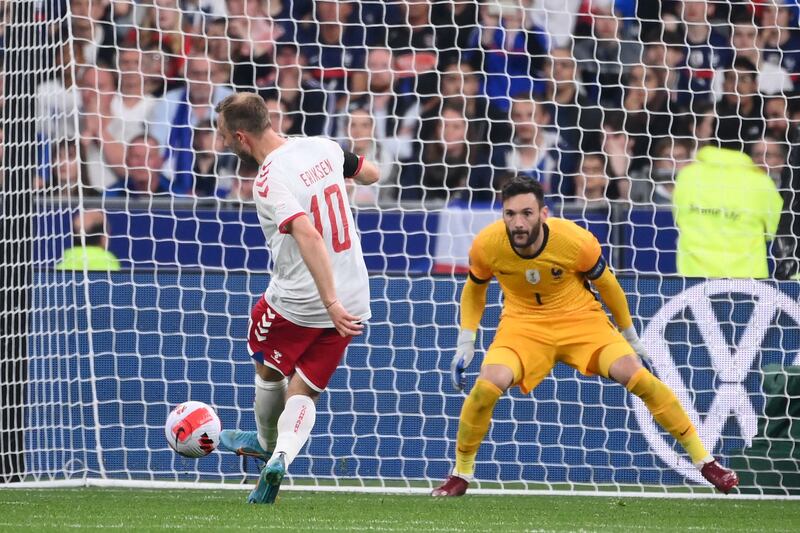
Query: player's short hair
point(244, 112)
point(523, 185)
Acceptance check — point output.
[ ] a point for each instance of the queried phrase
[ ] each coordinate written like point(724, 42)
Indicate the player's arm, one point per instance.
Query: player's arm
point(614, 297)
point(315, 255)
point(610, 290)
point(357, 168)
point(473, 303)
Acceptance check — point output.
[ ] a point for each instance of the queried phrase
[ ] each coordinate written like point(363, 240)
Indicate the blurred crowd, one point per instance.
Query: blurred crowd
point(600, 100)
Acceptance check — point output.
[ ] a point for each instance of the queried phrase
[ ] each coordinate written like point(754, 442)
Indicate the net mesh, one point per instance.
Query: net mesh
point(147, 254)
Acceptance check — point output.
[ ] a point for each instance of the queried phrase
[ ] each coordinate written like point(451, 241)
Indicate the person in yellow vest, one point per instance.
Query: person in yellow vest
point(89, 245)
point(726, 209)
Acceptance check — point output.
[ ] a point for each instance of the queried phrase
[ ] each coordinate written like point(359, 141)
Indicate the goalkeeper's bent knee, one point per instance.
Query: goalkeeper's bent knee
point(476, 415)
point(667, 411)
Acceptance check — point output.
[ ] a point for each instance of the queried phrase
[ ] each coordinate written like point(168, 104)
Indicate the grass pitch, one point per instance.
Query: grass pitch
point(225, 510)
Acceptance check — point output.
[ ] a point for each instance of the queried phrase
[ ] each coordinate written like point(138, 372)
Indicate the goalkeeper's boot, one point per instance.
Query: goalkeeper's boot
point(242, 443)
point(269, 482)
point(453, 486)
point(719, 476)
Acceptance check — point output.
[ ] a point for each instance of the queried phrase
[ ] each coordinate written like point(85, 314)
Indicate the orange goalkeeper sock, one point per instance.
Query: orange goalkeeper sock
point(668, 412)
point(476, 415)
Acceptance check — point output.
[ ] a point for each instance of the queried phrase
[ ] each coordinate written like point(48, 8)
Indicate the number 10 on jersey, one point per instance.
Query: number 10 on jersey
point(340, 235)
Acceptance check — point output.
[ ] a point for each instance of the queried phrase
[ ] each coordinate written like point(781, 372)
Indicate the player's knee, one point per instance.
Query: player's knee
point(484, 395)
point(500, 376)
point(624, 369)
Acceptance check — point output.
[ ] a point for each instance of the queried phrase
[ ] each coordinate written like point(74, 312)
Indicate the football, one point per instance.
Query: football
point(192, 429)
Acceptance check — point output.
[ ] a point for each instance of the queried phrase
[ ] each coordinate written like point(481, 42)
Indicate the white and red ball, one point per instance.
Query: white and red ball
point(192, 429)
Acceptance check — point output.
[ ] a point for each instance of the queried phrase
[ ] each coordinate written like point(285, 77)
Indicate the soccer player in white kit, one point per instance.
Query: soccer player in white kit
point(318, 295)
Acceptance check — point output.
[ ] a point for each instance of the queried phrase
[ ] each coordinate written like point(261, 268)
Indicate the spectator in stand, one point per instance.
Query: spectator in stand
point(772, 78)
point(132, 104)
point(396, 115)
point(163, 28)
point(143, 177)
point(279, 115)
point(777, 121)
point(460, 86)
point(726, 208)
point(649, 117)
point(618, 149)
point(68, 173)
point(218, 44)
point(455, 22)
point(242, 190)
point(556, 18)
point(591, 183)
point(575, 119)
point(708, 50)
point(363, 142)
point(416, 43)
point(153, 72)
point(771, 155)
point(212, 169)
point(253, 36)
point(303, 96)
point(510, 53)
point(779, 40)
point(106, 123)
point(333, 46)
point(534, 151)
point(668, 60)
point(174, 118)
point(95, 38)
point(670, 156)
point(606, 57)
point(89, 245)
point(57, 105)
point(741, 120)
point(451, 168)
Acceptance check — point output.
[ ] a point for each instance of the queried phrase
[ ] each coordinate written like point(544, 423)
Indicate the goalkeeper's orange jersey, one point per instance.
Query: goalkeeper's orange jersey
point(551, 283)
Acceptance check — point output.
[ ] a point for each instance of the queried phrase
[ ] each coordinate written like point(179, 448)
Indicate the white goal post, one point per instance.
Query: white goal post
point(108, 146)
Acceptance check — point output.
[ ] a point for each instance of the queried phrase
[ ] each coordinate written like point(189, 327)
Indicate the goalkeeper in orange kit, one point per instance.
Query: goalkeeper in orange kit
point(544, 267)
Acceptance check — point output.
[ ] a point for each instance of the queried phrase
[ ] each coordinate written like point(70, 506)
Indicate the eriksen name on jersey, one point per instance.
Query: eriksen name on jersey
point(317, 172)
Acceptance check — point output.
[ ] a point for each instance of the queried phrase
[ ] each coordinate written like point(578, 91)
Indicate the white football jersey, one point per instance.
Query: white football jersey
point(305, 176)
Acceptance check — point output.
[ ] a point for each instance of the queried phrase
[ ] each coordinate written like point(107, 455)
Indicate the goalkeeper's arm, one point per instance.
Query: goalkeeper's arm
point(614, 297)
point(473, 302)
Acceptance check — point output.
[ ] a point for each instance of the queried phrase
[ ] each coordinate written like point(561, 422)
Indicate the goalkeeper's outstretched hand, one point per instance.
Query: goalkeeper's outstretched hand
point(465, 351)
point(638, 346)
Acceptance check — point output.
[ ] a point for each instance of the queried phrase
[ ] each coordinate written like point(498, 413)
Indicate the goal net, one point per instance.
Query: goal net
point(132, 253)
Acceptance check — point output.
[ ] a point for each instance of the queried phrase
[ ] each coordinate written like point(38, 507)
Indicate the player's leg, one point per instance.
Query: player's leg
point(270, 396)
point(670, 415)
point(294, 427)
point(502, 367)
point(274, 343)
point(313, 370)
point(268, 405)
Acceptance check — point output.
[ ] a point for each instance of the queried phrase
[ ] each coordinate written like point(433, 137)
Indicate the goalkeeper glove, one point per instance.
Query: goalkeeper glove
point(638, 346)
point(465, 351)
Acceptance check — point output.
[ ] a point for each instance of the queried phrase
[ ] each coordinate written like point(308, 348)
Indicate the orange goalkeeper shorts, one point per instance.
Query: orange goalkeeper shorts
point(588, 342)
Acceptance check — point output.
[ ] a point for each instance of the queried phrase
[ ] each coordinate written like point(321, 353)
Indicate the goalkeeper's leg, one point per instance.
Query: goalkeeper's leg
point(670, 415)
point(476, 415)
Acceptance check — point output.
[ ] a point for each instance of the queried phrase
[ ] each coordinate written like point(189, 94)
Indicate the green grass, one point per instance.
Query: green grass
point(221, 510)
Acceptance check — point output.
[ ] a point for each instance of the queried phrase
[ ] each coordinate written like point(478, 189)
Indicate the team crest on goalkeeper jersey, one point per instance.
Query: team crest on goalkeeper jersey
point(533, 276)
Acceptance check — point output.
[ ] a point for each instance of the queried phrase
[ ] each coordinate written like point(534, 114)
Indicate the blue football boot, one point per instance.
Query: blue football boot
point(242, 443)
point(269, 482)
